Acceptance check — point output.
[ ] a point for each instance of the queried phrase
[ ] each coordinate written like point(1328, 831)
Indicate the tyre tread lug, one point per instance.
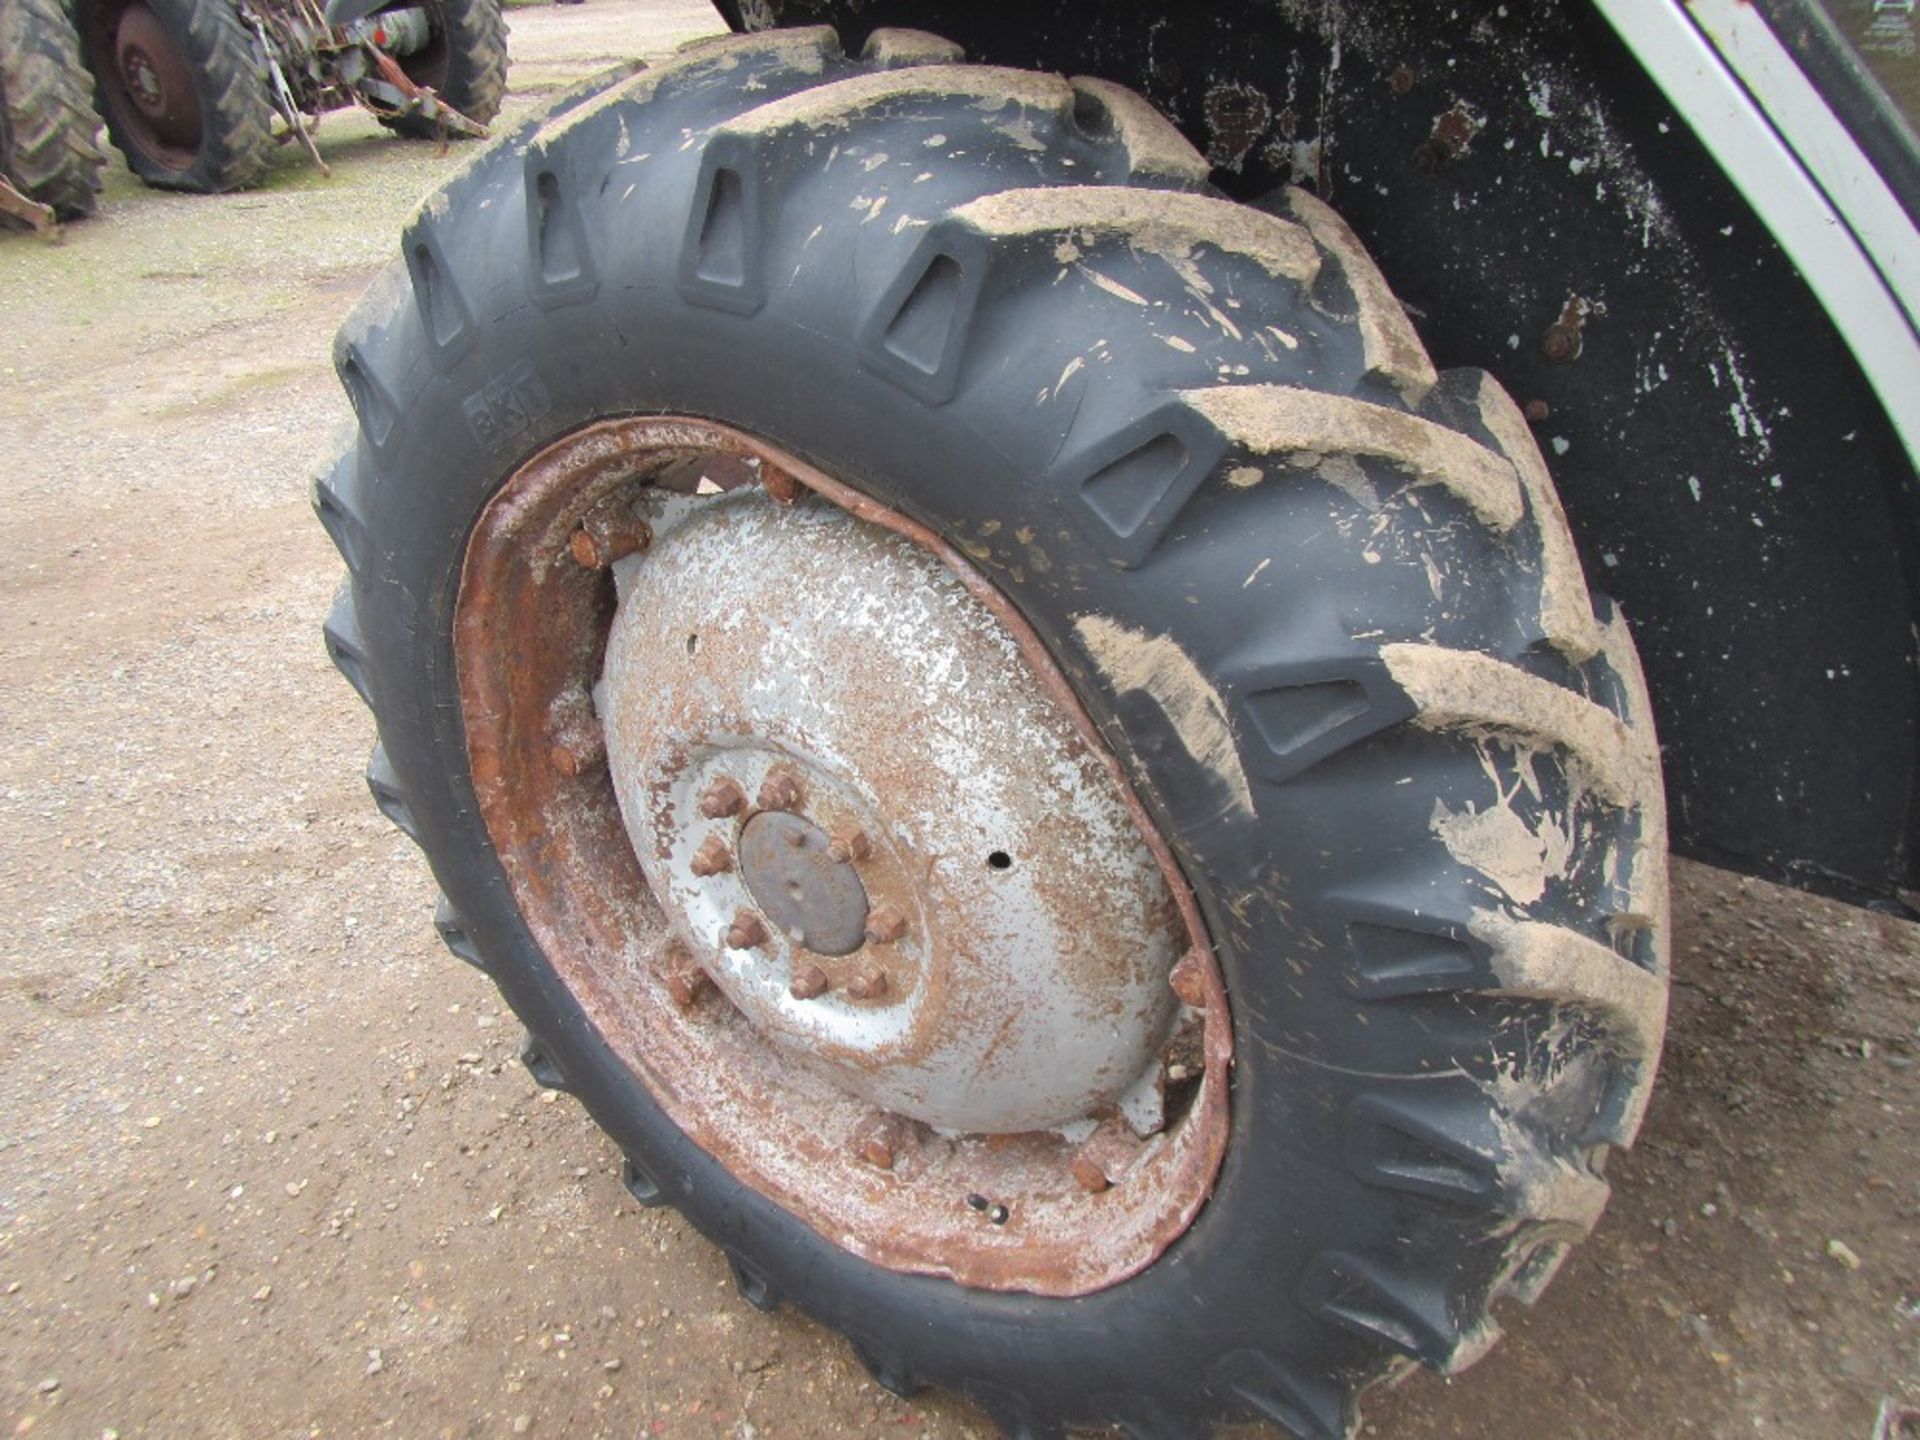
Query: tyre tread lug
point(336, 501)
point(444, 312)
point(388, 793)
point(1399, 1311)
point(372, 402)
point(1566, 611)
point(1299, 713)
point(754, 1287)
point(1392, 349)
point(1287, 420)
point(640, 1184)
point(800, 52)
point(540, 1064)
point(1153, 144)
point(836, 102)
point(346, 646)
point(720, 260)
point(1311, 1409)
point(1130, 485)
point(888, 1369)
point(916, 335)
point(1172, 224)
point(453, 934)
point(563, 270)
point(894, 48)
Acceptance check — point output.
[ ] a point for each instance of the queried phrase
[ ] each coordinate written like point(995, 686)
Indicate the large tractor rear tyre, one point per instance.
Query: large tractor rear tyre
point(794, 487)
point(464, 63)
point(47, 124)
point(182, 89)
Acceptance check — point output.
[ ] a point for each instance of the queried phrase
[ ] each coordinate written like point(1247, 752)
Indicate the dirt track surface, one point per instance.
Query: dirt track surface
point(268, 1163)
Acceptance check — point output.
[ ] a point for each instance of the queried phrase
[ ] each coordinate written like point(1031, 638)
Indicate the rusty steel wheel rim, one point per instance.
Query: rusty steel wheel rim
point(152, 88)
point(758, 903)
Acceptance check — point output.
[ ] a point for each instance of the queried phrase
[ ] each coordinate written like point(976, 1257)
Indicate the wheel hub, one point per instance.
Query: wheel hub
point(142, 81)
point(156, 80)
point(778, 676)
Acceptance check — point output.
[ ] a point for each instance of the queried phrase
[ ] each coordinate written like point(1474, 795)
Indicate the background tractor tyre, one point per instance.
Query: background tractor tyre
point(47, 124)
point(464, 63)
point(182, 89)
point(1321, 602)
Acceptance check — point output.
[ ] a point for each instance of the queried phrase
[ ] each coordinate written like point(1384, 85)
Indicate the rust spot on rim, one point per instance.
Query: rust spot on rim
point(529, 633)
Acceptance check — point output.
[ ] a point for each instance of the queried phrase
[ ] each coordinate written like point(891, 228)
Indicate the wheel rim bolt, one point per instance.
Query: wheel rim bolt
point(712, 858)
point(746, 932)
point(1088, 1175)
point(781, 487)
point(885, 925)
point(685, 987)
point(869, 986)
point(598, 543)
point(722, 798)
point(686, 982)
point(1188, 981)
point(779, 791)
point(878, 1154)
point(809, 983)
point(849, 844)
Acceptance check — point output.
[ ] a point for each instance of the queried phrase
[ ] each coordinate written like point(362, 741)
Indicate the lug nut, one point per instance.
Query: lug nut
point(878, 1154)
point(779, 791)
point(870, 986)
point(722, 798)
point(746, 932)
point(849, 844)
point(809, 983)
point(885, 925)
point(1088, 1175)
point(712, 858)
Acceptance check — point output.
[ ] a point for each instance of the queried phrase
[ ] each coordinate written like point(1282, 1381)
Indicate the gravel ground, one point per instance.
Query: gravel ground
point(268, 1165)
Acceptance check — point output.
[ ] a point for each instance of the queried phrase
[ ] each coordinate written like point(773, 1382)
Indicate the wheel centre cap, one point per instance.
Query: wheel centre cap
point(813, 899)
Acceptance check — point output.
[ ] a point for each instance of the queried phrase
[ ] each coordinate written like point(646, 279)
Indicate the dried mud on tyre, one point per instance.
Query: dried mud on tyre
point(1318, 603)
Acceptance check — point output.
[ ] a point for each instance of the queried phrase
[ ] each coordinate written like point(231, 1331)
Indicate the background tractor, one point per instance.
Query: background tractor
point(190, 89)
